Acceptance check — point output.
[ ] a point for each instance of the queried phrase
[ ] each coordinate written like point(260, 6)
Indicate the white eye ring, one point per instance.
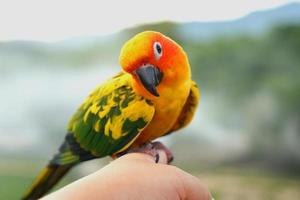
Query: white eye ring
point(157, 48)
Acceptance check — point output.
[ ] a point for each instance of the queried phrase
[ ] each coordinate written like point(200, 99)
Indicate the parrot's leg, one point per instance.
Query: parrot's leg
point(147, 148)
point(150, 148)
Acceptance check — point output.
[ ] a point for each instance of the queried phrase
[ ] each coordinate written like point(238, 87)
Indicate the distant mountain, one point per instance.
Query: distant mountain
point(254, 23)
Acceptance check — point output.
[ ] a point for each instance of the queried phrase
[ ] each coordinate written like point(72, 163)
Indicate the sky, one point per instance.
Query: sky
point(54, 20)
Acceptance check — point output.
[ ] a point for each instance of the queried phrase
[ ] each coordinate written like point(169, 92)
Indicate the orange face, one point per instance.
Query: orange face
point(154, 50)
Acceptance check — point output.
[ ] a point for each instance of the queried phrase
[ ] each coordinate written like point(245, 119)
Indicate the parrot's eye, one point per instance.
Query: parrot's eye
point(157, 50)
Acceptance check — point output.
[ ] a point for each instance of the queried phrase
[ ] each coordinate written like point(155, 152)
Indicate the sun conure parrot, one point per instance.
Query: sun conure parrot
point(153, 96)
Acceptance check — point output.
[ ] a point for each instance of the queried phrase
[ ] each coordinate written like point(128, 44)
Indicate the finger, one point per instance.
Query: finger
point(194, 189)
point(136, 157)
point(156, 156)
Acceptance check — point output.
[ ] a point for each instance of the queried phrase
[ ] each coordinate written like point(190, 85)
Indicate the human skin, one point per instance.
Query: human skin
point(135, 176)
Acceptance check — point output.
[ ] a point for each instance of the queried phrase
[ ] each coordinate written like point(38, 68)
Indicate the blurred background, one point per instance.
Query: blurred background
point(244, 142)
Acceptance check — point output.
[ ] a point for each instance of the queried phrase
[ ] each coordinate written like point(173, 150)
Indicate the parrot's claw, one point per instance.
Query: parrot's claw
point(152, 149)
point(160, 146)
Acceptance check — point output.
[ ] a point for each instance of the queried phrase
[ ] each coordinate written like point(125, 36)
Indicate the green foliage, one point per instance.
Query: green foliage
point(239, 68)
point(252, 63)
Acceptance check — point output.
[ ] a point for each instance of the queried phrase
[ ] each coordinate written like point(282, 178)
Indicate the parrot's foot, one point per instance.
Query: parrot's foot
point(160, 146)
point(152, 149)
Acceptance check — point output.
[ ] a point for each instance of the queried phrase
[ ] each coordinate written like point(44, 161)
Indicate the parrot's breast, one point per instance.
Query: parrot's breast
point(167, 109)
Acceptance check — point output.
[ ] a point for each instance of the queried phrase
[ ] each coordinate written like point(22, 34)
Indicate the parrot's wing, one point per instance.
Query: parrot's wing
point(108, 121)
point(111, 118)
point(188, 110)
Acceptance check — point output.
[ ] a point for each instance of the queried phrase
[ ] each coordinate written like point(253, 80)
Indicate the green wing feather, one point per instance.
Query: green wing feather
point(108, 122)
point(111, 118)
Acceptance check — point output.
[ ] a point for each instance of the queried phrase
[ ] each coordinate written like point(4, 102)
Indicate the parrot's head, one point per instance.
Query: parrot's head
point(155, 62)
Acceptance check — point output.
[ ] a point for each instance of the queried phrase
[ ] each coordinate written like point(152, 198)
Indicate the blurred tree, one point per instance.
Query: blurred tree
point(239, 69)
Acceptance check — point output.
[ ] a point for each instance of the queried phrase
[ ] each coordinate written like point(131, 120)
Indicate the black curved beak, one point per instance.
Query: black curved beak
point(150, 76)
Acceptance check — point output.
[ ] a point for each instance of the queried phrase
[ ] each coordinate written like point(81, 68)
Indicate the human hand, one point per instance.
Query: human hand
point(135, 176)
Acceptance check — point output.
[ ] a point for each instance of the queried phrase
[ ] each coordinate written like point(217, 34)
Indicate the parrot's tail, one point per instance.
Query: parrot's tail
point(47, 178)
